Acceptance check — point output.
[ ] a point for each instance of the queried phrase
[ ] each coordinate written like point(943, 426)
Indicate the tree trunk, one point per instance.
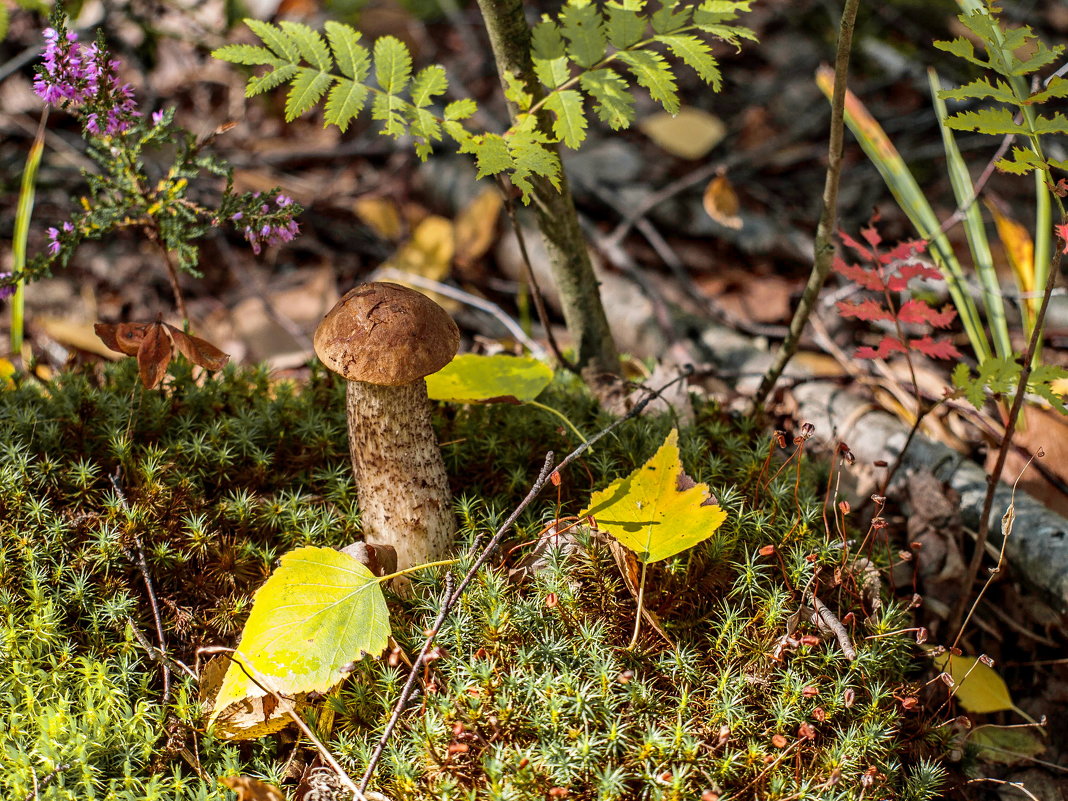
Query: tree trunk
point(557, 219)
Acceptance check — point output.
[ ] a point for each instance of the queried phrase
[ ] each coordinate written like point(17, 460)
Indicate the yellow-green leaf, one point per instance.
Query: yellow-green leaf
point(1006, 746)
point(978, 688)
point(657, 511)
point(320, 610)
point(471, 378)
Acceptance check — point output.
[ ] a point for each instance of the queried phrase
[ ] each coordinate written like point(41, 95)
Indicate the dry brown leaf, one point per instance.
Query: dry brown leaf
point(122, 338)
point(690, 134)
point(82, 336)
point(154, 355)
point(476, 227)
point(721, 202)
point(250, 789)
point(248, 719)
point(627, 563)
point(381, 215)
point(198, 351)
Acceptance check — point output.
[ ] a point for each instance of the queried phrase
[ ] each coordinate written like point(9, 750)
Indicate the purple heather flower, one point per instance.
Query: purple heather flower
point(53, 241)
point(68, 227)
point(157, 117)
point(283, 201)
point(6, 291)
point(237, 216)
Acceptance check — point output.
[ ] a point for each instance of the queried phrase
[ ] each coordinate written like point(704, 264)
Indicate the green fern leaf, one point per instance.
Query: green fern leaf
point(624, 24)
point(980, 89)
point(652, 71)
point(695, 54)
point(270, 80)
point(393, 64)
point(614, 103)
point(531, 157)
point(516, 91)
point(429, 83)
point(570, 123)
point(275, 39)
point(310, 43)
point(344, 103)
point(491, 154)
point(962, 48)
point(715, 12)
point(352, 58)
point(581, 26)
point(994, 121)
point(667, 19)
point(1056, 124)
point(251, 55)
point(1057, 87)
point(305, 91)
point(460, 109)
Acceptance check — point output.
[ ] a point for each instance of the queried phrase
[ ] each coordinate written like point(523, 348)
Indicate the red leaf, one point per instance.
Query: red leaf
point(914, 269)
point(154, 355)
point(918, 311)
point(862, 251)
point(868, 310)
point(861, 276)
point(198, 351)
point(904, 251)
point(1062, 232)
point(122, 338)
point(935, 349)
point(871, 236)
point(887, 346)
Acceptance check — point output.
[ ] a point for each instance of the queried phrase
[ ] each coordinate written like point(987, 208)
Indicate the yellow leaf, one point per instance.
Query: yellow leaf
point(7, 370)
point(657, 511)
point(690, 134)
point(476, 227)
point(978, 688)
point(1020, 250)
point(1060, 386)
point(721, 202)
point(380, 215)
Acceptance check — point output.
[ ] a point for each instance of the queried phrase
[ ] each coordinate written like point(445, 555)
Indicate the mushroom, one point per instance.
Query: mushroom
point(383, 339)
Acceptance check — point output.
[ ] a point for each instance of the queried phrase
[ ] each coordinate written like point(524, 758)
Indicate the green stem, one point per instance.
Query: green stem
point(414, 568)
point(561, 415)
point(21, 234)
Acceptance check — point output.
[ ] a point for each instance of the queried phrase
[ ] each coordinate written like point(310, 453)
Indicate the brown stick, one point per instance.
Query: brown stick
point(824, 246)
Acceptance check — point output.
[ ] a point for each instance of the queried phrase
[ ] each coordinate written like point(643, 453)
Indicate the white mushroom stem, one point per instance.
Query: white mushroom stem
point(401, 483)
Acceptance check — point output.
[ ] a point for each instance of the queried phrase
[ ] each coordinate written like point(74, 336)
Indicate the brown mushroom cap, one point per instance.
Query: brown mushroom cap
point(386, 334)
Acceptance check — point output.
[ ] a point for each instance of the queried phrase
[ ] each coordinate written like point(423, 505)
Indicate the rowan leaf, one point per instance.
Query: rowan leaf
point(887, 346)
point(697, 55)
point(867, 310)
point(275, 39)
point(581, 26)
point(318, 612)
point(920, 312)
point(570, 123)
point(472, 378)
point(344, 103)
point(657, 511)
point(305, 91)
point(613, 101)
point(393, 64)
point(652, 71)
point(310, 44)
point(624, 24)
point(935, 348)
point(351, 57)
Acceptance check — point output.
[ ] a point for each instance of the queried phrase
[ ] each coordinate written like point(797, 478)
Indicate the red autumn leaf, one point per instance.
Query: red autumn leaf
point(862, 277)
point(935, 349)
point(198, 351)
point(887, 346)
point(903, 251)
point(914, 269)
point(154, 355)
point(1062, 232)
point(871, 236)
point(868, 310)
point(850, 242)
point(919, 312)
point(122, 338)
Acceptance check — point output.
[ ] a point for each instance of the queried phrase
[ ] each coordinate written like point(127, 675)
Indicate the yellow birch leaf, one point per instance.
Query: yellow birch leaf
point(476, 226)
point(690, 134)
point(978, 688)
point(657, 511)
point(380, 215)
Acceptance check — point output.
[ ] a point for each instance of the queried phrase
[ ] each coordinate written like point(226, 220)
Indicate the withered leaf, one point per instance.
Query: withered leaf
point(122, 337)
point(154, 355)
point(198, 351)
point(721, 202)
point(250, 789)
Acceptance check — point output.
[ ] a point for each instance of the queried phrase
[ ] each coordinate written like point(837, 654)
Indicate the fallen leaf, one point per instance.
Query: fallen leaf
point(654, 511)
point(247, 719)
point(318, 612)
point(250, 789)
point(1006, 746)
point(82, 336)
point(154, 355)
point(429, 251)
point(475, 230)
point(690, 134)
point(978, 688)
point(721, 202)
point(472, 378)
point(380, 215)
point(198, 351)
point(628, 568)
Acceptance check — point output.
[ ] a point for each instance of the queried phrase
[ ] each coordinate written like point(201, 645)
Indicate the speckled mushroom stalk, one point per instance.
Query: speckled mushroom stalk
point(384, 339)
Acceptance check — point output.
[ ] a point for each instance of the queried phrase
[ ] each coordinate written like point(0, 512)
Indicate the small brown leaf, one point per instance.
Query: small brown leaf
point(122, 337)
point(249, 789)
point(154, 355)
point(721, 202)
point(198, 351)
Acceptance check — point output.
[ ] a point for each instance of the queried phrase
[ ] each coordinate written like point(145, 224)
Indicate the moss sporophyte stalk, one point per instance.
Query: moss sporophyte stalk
point(530, 688)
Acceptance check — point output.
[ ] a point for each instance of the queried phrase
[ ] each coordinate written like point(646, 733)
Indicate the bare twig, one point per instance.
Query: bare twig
point(828, 618)
point(824, 248)
point(47, 779)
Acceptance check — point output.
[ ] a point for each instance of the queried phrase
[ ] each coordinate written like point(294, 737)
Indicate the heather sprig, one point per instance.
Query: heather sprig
point(133, 189)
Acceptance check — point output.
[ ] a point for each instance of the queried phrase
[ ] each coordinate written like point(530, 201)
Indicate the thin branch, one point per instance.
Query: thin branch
point(824, 247)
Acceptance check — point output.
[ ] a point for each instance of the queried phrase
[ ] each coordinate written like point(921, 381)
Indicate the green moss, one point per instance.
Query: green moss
point(535, 691)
